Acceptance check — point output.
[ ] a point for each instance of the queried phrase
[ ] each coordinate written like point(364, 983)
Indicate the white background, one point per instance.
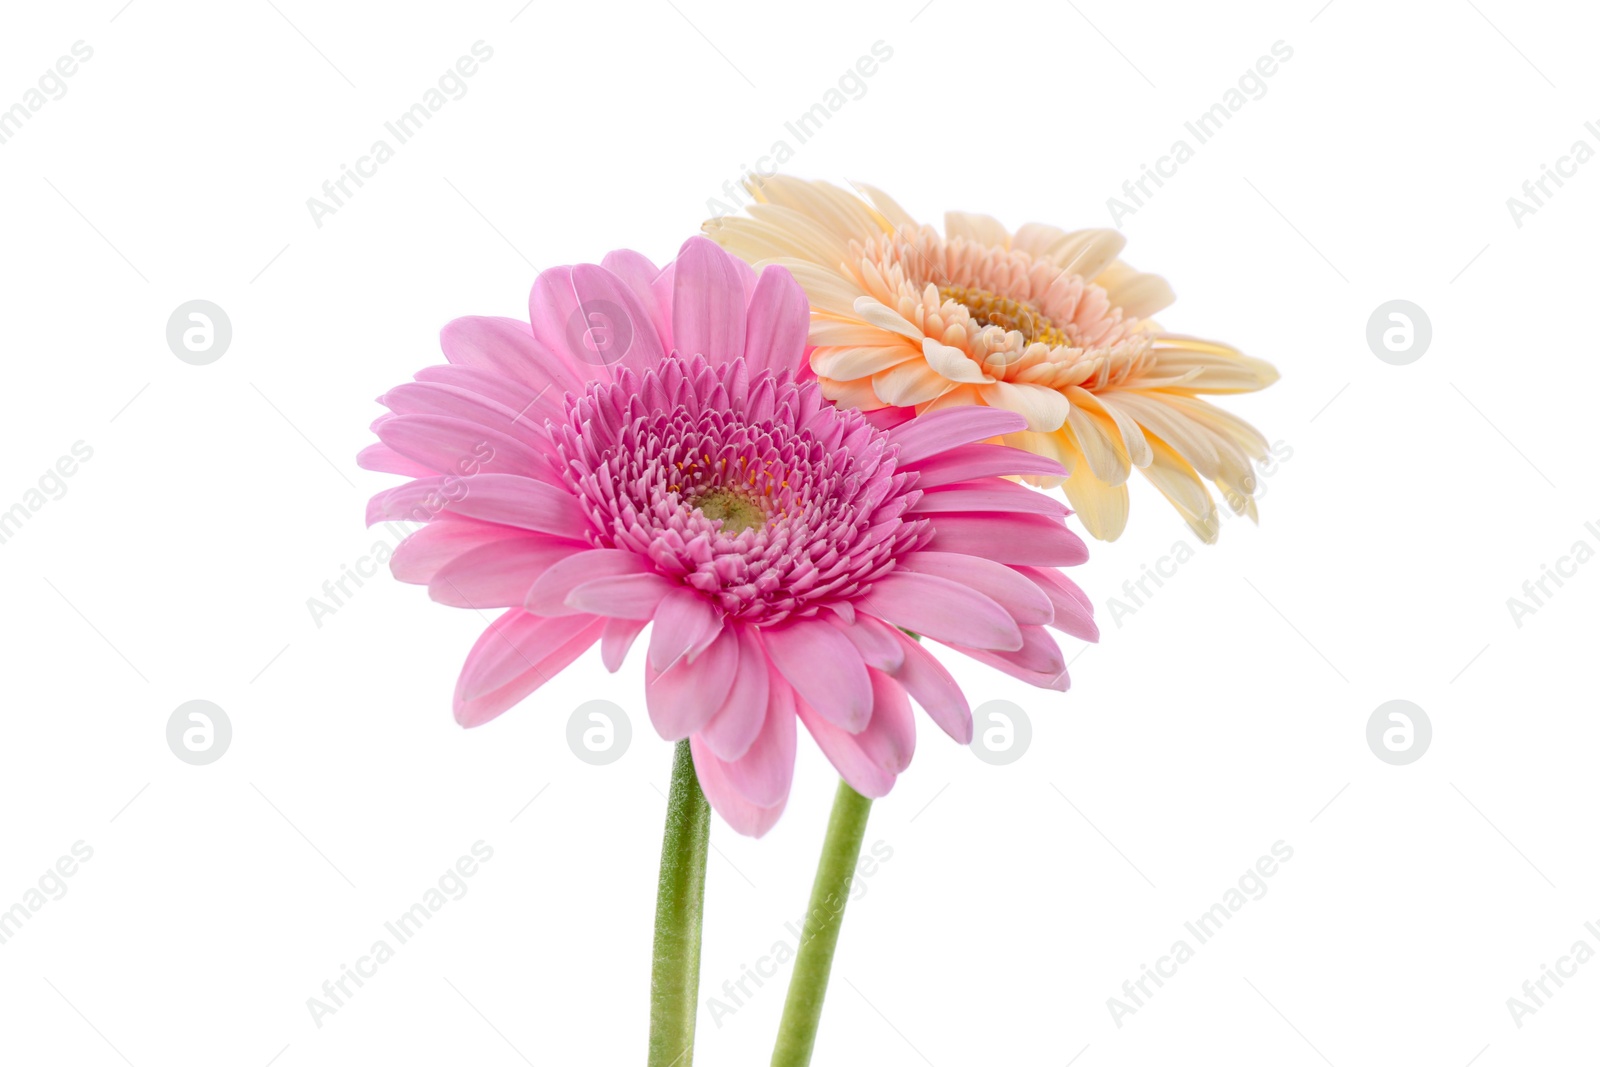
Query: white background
point(1227, 713)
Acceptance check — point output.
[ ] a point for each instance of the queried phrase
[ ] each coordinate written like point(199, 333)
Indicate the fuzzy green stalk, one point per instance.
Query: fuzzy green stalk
point(680, 907)
point(841, 851)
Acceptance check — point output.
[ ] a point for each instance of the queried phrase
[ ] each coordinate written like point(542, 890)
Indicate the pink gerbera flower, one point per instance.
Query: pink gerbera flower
point(655, 450)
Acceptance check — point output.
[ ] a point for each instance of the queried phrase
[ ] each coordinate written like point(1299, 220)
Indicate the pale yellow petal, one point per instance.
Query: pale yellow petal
point(1102, 508)
point(1183, 488)
point(1187, 437)
point(1133, 441)
point(952, 363)
point(1088, 252)
point(846, 364)
point(893, 213)
point(1045, 409)
point(909, 384)
point(885, 318)
point(1097, 438)
point(981, 229)
point(1139, 295)
point(845, 217)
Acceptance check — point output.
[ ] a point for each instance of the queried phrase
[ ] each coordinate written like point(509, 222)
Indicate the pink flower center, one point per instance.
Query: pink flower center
point(756, 492)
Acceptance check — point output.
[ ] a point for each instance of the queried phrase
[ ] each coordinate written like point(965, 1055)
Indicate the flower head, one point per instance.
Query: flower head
point(653, 450)
point(1041, 322)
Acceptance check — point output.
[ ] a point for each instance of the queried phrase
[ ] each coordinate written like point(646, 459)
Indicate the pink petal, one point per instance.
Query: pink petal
point(764, 773)
point(890, 738)
point(685, 622)
point(457, 446)
point(380, 457)
point(615, 328)
point(515, 501)
point(875, 641)
point(616, 639)
point(558, 322)
point(421, 500)
point(860, 771)
point(708, 302)
point(419, 557)
point(982, 461)
point(496, 575)
point(548, 595)
point(1018, 539)
point(1039, 662)
point(460, 402)
point(1022, 599)
point(533, 406)
point(639, 274)
point(733, 729)
point(941, 609)
point(825, 669)
point(736, 811)
point(1073, 612)
point(887, 418)
point(508, 349)
point(931, 686)
point(631, 596)
point(683, 698)
point(513, 657)
point(939, 431)
point(776, 325)
point(989, 494)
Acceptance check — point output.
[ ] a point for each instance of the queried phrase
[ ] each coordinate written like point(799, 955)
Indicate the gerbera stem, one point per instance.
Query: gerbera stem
point(841, 851)
point(680, 903)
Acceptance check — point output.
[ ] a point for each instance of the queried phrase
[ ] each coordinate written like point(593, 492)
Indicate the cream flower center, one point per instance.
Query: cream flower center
point(992, 309)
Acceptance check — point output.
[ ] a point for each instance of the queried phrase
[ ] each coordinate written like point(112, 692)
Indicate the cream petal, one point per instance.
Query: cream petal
point(754, 242)
point(1183, 489)
point(1088, 252)
point(911, 383)
point(1038, 239)
point(954, 364)
point(1097, 438)
point(885, 318)
point(1133, 441)
point(845, 217)
point(897, 216)
point(847, 364)
point(1102, 508)
point(1057, 446)
point(828, 290)
point(826, 330)
point(857, 394)
point(1045, 409)
point(1138, 295)
point(982, 229)
point(815, 242)
point(1187, 437)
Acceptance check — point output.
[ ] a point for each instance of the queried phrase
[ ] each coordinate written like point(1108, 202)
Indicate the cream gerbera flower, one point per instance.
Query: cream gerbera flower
point(1047, 323)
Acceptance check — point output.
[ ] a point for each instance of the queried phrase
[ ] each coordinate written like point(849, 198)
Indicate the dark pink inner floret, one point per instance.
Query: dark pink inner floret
point(757, 492)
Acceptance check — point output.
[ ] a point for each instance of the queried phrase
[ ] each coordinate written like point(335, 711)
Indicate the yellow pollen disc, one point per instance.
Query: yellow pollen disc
point(737, 511)
point(992, 309)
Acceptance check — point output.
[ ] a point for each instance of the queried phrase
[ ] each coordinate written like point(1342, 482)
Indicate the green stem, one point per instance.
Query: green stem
point(680, 906)
point(841, 851)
